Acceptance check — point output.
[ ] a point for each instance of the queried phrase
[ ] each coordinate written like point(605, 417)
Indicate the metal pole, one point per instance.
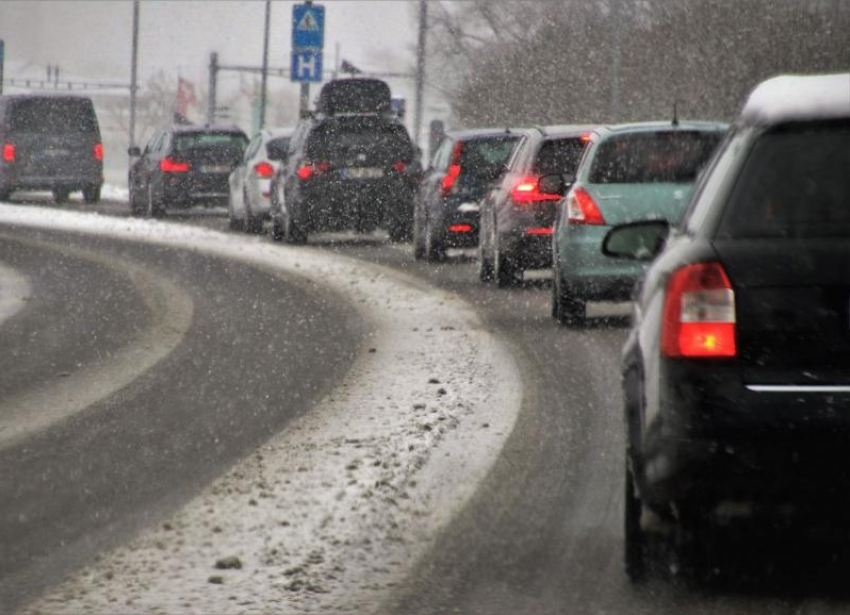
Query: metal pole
point(134, 66)
point(420, 70)
point(213, 82)
point(265, 77)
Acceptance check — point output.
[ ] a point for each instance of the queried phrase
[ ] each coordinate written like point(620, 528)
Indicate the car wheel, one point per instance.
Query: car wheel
point(400, 231)
point(60, 195)
point(275, 230)
point(253, 225)
point(504, 269)
point(5, 193)
point(91, 194)
point(567, 308)
point(293, 232)
point(137, 208)
point(635, 544)
point(155, 209)
point(435, 247)
point(418, 240)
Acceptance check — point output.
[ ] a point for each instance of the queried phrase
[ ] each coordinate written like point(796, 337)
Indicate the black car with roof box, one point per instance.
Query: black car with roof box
point(736, 373)
point(50, 142)
point(184, 165)
point(463, 169)
point(353, 170)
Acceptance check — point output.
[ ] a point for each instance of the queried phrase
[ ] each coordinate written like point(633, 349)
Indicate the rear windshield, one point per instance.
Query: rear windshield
point(355, 143)
point(53, 116)
point(795, 183)
point(559, 156)
point(277, 148)
point(481, 156)
point(194, 140)
point(653, 157)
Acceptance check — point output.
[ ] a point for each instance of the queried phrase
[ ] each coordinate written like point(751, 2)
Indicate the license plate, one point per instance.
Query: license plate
point(215, 168)
point(362, 173)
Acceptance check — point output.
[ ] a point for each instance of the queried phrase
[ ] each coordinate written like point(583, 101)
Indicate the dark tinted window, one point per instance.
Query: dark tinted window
point(653, 157)
point(276, 148)
point(795, 183)
point(483, 156)
point(193, 140)
point(356, 143)
point(52, 116)
point(559, 156)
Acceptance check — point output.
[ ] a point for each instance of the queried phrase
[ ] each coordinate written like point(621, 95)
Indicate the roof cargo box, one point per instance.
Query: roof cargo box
point(355, 96)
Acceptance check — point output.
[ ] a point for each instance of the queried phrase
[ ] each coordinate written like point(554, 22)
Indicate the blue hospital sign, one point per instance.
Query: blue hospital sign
point(306, 66)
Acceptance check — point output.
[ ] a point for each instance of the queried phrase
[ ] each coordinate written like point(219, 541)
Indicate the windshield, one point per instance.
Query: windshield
point(186, 142)
point(359, 142)
point(656, 157)
point(559, 156)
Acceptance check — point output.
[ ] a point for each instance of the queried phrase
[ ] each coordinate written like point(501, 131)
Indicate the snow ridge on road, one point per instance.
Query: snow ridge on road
point(14, 292)
point(332, 513)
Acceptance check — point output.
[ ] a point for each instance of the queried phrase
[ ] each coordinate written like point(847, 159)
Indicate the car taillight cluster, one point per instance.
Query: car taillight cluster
point(263, 170)
point(310, 169)
point(399, 166)
point(9, 152)
point(582, 209)
point(527, 190)
point(98, 151)
point(699, 313)
point(450, 178)
point(170, 165)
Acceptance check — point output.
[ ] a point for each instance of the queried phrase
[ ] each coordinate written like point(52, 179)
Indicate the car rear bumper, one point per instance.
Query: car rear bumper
point(12, 179)
point(192, 189)
point(340, 205)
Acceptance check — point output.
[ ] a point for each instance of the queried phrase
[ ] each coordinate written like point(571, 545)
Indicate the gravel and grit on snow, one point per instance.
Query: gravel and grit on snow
point(329, 515)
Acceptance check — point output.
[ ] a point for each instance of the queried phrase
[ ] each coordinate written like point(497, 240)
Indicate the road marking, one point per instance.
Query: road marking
point(15, 291)
point(171, 309)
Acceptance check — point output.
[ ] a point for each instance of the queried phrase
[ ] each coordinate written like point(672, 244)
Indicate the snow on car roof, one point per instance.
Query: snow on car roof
point(796, 97)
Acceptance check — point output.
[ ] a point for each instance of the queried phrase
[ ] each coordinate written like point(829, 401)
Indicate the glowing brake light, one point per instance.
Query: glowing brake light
point(582, 209)
point(309, 169)
point(399, 166)
point(699, 313)
point(263, 170)
point(9, 152)
point(98, 151)
point(527, 190)
point(460, 228)
point(453, 173)
point(169, 165)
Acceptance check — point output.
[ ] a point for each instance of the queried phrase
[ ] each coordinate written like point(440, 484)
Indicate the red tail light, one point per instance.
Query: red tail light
point(542, 230)
point(264, 170)
point(169, 165)
point(460, 228)
point(9, 152)
point(450, 178)
point(582, 209)
point(400, 166)
point(308, 170)
point(527, 190)
point(98, 151)
point(699, 313)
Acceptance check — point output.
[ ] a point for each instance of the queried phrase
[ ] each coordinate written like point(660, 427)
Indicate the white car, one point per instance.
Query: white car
point(250, 182)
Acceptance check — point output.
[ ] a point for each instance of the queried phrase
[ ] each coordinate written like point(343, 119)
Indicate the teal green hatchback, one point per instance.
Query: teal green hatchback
point(629, 172)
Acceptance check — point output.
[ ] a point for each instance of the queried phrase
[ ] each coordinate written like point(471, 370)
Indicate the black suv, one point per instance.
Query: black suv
point(353, 170)
point(736, 372)
point(183, 166)
point(463, 169)
point(518, 215)
point(50, 143)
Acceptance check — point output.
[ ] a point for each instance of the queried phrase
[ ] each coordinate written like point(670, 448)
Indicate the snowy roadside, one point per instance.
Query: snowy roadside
point(15, 291)
point(329, 515)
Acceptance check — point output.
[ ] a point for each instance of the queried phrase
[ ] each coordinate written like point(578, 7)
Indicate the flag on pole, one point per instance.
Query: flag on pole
point(185, 98)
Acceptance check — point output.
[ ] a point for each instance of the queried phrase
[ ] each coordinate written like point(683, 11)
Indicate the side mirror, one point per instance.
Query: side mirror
point(134, 152)
point(553, 184)
point(640, 241)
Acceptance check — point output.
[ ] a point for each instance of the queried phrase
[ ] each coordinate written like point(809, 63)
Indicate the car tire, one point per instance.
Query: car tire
point(435, 247)
point(418, 240)
point(400, 231)
point(155, 208)
point(504, 270)
point(635, 539)
point(137, 208)
point(5, 193)
point(91, 194)
point(253, 225)
point(60, 195)
point(293, 232)
point(275, 230)
point(567, 308)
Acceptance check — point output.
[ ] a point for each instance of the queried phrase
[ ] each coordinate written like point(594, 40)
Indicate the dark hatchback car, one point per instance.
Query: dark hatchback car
point(50, 142)
point(518, 215)
point(182, 166)
point(351, 171)
point(463, 169)
point(736, 372)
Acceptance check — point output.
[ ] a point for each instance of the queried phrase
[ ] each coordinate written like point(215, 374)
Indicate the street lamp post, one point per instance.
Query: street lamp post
point(134, 62)
point(265, 76)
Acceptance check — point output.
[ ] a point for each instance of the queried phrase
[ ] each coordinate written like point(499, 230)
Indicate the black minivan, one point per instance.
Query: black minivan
point(50, 142)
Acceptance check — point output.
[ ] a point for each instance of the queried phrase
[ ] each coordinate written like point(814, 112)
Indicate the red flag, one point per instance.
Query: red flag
point(185, 96)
